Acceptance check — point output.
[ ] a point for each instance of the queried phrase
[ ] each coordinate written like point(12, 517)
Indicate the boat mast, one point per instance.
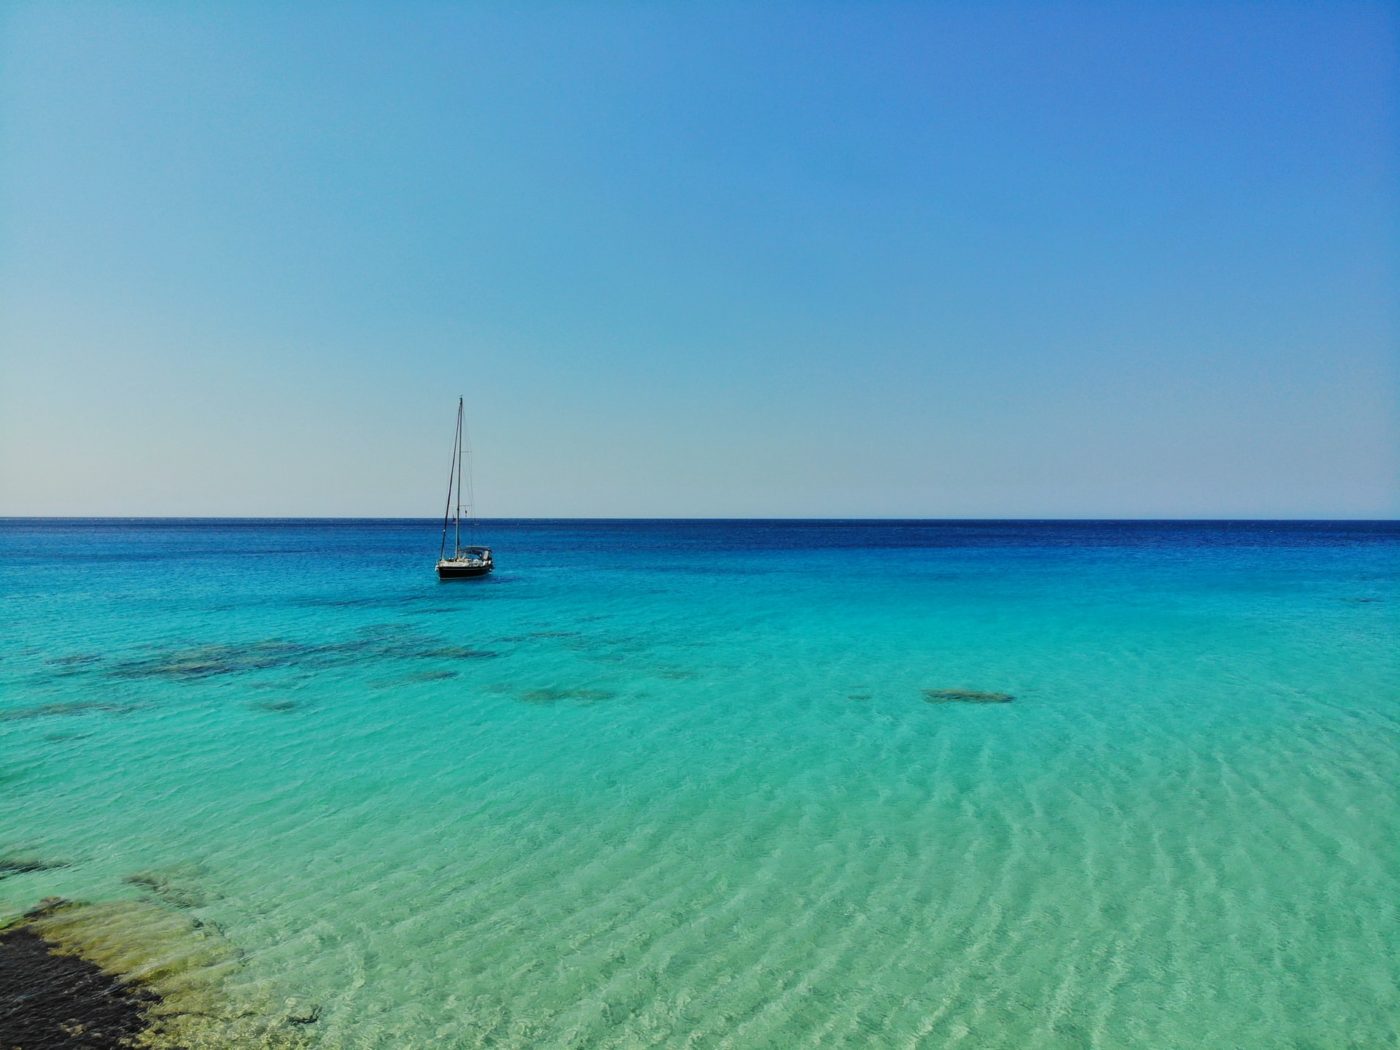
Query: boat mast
point(458, 553)
point(453, 470)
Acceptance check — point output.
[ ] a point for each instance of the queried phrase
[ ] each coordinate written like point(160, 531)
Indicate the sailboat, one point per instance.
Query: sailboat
point(470, 560)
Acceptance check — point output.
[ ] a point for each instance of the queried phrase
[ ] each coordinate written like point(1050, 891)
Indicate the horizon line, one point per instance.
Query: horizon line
point(635, 518)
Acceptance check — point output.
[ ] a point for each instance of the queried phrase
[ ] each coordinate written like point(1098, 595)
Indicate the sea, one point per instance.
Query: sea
point(739, 784)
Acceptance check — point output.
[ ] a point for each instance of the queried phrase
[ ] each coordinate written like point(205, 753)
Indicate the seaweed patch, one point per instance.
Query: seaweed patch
point(965, 696)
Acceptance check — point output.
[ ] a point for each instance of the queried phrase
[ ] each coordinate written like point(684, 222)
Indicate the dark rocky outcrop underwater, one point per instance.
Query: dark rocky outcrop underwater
point(131, 973)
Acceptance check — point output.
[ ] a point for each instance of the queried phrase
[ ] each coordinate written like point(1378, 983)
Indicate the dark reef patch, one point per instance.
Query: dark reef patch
point(553, 696)
point(430, 676)
point(457, 652)
point(205, 661)
point(176, 888)
point(63, 709)
point(386, 642)
point(63, 738)
point(19, 865)
point(275, 706)
point(130, 973)
point(49, 998)
point(965, 696)
point(75, 663)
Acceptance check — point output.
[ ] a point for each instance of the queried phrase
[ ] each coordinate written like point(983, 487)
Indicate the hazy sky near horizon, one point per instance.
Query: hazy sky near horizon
point(829, 259)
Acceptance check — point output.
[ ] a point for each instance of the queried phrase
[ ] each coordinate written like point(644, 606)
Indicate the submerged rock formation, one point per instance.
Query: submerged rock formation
point(49, 998)
point(130, 974)
point(25, 865)
point(965, 696)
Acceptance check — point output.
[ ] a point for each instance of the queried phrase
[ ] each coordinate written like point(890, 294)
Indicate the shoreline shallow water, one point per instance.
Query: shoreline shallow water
point(725, 783)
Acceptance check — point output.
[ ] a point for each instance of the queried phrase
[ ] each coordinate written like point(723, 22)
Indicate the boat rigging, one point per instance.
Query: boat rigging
point(470, 560)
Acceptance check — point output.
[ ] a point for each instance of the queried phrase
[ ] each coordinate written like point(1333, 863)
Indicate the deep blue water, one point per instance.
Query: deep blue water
point(718, 783)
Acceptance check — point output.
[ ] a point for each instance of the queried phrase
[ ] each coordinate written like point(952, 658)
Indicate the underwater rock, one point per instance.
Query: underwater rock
point(206, 661)
point(276, 706)
point(75, 659)
point(383, 642)
point(74, 663)
point(25, 866)
point(176, 888)
point(311, 1018)
point(965, 696)
point(63, 738)
point(49, 998)
point(47, 906)
point(430, 676)
point(456, 652)
point(63, 709)
point(128, 973)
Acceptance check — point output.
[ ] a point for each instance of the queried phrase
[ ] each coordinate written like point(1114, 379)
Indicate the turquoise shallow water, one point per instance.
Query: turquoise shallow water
point(679, 784)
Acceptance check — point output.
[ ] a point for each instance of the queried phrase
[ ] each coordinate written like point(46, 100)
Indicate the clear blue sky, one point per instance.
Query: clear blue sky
point(701, 259)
